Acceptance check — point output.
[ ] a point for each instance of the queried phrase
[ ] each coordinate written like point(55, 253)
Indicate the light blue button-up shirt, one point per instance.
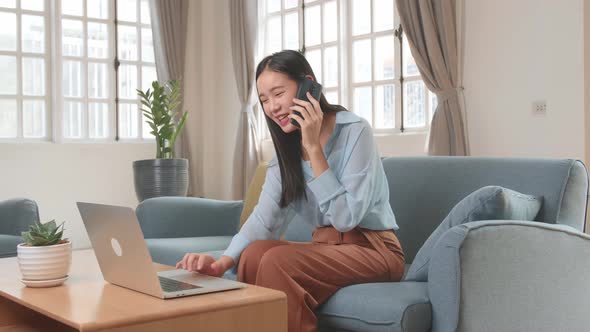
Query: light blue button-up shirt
point(352, 192)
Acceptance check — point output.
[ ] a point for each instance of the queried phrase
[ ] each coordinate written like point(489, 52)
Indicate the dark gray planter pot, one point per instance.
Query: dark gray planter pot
point(160, 177)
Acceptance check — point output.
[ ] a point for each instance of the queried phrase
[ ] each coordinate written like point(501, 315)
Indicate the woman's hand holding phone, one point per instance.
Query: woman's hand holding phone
point(309, 115)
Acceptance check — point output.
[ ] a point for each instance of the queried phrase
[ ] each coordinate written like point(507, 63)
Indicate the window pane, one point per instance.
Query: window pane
point(292, 31)
point(433, 104)
point(313, 26)
point(127, 42)
point(290, 4)
point(128, 81)
point(98, 43)
point(146, 130)
point(37, 5)
point(384, 58)
point(382, 15)
point(362, 60)
point(34, 118)
point(330, 22)
point(127, 10)
point(71, 7)
point(410, 68)
point(8, 70)
point(7, 3)
point(98, 80)
point(331, 66)
point(148, 75)
point(273, 35)
point(145, 12)
point(72, 33)
point(332, 97)
point(33, 77)
point(273, 6)
point(73, 119)
point(72, 79)
point(363, 104)
point(98, 8)
point(147, 45)
point(98, 120)
point(361, 17)
point(128, 120)
point(33, 34)
point(385, 106)
point(315, 61)
point(415, 110)
point(7, 118)
point(8, 32)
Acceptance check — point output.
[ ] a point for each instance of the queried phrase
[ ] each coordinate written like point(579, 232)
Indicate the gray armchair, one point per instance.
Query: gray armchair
point(485, 276)
point(15, 217)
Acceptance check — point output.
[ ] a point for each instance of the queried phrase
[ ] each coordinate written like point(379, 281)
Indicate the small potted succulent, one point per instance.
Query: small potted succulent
point(165, 175)
point(45, 257)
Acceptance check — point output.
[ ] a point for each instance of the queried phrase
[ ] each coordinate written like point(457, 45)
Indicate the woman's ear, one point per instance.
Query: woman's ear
point(310, 77)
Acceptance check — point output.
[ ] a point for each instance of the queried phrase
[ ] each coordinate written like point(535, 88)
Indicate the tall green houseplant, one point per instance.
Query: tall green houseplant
point(165, 175)
point(161, 103)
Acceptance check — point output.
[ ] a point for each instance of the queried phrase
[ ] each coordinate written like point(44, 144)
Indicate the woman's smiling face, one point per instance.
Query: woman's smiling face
point(276, 92)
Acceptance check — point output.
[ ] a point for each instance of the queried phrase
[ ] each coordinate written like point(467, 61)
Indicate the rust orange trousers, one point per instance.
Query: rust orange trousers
point(309, 273)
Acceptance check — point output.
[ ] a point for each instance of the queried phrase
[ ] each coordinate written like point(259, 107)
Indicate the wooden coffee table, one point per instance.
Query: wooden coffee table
point(85, 302)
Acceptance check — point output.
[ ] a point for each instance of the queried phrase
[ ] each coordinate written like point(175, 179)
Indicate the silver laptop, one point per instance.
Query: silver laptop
point(125, 261)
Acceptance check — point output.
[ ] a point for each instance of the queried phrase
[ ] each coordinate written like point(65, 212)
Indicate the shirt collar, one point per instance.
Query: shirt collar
point(346, 117)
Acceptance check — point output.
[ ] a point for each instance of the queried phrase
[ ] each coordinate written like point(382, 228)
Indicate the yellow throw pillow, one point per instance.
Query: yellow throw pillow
point(254, 190)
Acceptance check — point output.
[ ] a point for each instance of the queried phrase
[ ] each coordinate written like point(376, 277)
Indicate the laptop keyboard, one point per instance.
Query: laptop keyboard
point(171, 285)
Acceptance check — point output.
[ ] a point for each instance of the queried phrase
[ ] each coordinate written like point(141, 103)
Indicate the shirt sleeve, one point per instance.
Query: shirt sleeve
point(266, 221)
point(344, 201)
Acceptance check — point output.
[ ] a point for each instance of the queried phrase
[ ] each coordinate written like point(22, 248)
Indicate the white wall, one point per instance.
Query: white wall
point(58, 175)
point(517, 52)
point(587, 79)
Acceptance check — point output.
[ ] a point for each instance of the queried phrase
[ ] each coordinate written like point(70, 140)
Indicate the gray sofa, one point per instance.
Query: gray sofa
point(15, 217)
point(490, 275)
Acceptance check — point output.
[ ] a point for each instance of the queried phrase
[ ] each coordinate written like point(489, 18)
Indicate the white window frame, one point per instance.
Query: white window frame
point(54, 99)
point(85, 99)
point(345, 55)
point(140, 64)
point(19, 97)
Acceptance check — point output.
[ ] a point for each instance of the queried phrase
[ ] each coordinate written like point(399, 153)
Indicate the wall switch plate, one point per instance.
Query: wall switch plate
point(540, 107)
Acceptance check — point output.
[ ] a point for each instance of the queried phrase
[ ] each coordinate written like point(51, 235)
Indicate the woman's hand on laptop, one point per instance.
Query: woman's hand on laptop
point(205, 264)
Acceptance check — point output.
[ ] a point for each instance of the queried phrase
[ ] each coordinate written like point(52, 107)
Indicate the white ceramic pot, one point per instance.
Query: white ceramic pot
point(46, 262)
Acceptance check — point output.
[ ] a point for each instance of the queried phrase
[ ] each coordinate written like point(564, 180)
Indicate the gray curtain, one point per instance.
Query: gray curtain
point(169, 27)
point(431, 29)
point(243, 18)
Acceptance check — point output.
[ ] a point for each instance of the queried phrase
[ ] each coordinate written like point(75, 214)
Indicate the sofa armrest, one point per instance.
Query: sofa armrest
point(510, 275)
point(16, 215)
point(167, 217)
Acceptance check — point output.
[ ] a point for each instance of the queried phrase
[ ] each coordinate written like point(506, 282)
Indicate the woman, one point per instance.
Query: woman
point(327, 172)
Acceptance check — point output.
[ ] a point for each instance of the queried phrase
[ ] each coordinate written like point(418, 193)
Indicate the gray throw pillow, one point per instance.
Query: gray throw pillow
point(487, 203)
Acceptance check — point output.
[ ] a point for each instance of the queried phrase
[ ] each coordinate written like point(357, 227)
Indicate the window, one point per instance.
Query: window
point(68, 92)
point(353, 49)
point(24, 63)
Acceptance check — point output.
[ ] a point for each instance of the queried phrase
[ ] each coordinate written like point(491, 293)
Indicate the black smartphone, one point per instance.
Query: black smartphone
point(307, 85)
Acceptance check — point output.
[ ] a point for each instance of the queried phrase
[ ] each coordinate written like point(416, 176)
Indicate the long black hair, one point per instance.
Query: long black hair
point(288, 146)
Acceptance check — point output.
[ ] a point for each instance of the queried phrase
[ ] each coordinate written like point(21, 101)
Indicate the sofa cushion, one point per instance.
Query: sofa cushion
point(8, 245)
point(487, 203)
point(391, 306)
point(169, 251)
